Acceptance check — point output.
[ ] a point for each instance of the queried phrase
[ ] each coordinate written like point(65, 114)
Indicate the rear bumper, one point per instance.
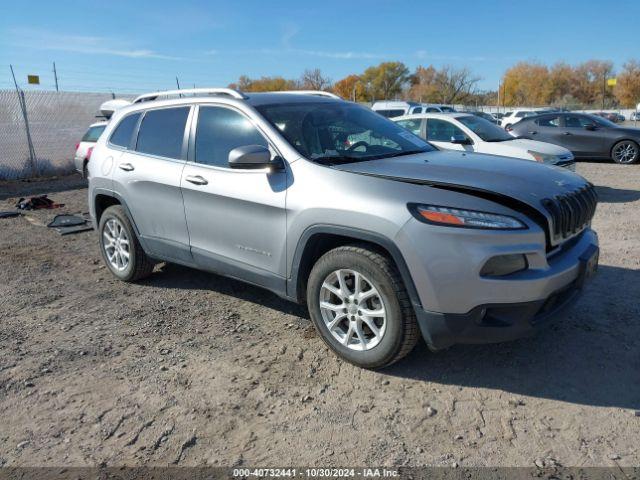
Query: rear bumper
point(501, 322)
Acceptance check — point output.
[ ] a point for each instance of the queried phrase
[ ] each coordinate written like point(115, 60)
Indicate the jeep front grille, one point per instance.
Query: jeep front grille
point(571, 212)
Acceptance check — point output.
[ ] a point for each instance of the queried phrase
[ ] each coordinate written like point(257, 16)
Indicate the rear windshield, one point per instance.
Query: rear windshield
point(93, 133)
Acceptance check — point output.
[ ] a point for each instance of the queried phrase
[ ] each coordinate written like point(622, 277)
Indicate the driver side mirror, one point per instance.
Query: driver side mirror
point(252, 157)
point(591, 127)
point(460, 140)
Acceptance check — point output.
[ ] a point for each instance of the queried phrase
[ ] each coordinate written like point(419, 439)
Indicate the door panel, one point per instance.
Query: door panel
point(236, 217)
point(578, 139)
point(150, 186)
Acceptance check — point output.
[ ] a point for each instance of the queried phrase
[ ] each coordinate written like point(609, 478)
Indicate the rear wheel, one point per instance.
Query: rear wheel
point(360, 306)
point(625, 152)
point(121, 251)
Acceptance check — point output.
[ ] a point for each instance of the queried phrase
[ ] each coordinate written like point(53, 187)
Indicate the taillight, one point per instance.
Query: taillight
point(508, 128)
point(77, 146)
point(89, 152)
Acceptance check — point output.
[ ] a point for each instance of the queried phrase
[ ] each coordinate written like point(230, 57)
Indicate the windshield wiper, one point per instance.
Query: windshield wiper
point(396, 154)
point(336, 159)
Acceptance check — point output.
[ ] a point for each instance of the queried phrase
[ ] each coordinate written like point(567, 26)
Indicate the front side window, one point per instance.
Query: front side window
point(433, 110)
point(122, 134)
point(412, 125)
point(442, 131)
point(93, 133)
point(577, 121)
point(486, 130)
point(162, 132)
point(340, 132)
point(219, 131)
point(448, 109)
point(417, 110)
point(548, 122)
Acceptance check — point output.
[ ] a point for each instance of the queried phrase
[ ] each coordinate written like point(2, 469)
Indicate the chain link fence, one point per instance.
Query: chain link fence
point(55, 122)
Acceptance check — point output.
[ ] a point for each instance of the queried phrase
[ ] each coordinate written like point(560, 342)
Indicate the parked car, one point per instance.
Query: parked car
point(587, 136)
point(511, 118)
point(634, 116)
point(84, 148)
point(392, 109)
point(470, 133)
point(326, 203)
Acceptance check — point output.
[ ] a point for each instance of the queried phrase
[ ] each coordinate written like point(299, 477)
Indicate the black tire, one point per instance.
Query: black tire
point(85, 170)
point(633, 148)
point(401, 333)
point(139, 264)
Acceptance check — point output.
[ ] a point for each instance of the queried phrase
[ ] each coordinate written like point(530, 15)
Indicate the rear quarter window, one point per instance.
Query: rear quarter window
point(122, 134)
point(93, 134)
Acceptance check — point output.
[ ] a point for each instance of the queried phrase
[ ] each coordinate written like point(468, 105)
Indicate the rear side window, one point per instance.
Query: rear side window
point(417, 110)
point(162, 132)
point(548, 122)
point(121, 136)
point(93, 134)
point(433, 109)
point(412, 125)
point(219, 131)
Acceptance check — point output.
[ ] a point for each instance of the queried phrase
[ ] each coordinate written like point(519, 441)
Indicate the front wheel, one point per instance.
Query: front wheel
point(360, 306)
point(625, 152)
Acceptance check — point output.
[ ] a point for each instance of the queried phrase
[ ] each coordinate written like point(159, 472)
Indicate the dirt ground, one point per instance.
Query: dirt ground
point(189, 368)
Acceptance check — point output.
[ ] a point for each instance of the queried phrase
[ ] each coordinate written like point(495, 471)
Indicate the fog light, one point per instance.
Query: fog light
point(504, 265)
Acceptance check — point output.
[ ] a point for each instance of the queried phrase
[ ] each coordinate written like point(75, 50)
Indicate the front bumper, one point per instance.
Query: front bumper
point(492, 323)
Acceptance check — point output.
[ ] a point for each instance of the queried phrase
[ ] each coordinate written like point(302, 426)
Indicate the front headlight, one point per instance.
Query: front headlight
point(543, 157)
point(455, 217)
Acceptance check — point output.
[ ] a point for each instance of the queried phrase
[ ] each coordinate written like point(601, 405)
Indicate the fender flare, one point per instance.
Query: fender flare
point(123, 203)
point(358, 235)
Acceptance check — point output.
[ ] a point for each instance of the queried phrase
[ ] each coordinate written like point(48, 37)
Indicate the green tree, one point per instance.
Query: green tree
point(386, 80)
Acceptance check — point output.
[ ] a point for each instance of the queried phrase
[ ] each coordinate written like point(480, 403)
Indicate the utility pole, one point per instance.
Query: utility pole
point(55, 75)
point(23, 108)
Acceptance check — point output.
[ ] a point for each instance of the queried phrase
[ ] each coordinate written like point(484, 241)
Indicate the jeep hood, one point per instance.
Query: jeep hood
point(525, 181)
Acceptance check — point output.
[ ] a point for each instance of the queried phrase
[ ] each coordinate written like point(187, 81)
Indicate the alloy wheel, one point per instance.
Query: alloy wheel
point(352, 309)
point(625, 152)
point(116, 244)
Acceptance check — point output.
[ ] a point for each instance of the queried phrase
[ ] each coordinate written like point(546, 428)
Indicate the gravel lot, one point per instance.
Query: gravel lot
point(190, 368)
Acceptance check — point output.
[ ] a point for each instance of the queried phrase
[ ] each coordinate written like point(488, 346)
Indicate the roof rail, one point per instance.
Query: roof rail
point(320, 93)
point(190, 91)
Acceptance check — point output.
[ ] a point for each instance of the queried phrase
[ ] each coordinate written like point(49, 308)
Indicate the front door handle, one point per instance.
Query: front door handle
point(196, 179)
point(532, 133)
point(567, 133)
point(127, 167)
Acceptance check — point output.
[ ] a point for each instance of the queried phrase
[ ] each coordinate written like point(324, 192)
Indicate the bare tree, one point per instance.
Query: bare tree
point(456, 84)
point(314, 80)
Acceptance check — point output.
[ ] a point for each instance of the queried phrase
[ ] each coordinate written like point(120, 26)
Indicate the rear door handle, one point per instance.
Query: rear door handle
point(196, 179)
point(533, 132)
point(567, 133)
point(127, 167)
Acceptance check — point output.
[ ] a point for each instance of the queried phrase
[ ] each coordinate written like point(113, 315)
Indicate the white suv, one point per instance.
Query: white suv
point(514, 117)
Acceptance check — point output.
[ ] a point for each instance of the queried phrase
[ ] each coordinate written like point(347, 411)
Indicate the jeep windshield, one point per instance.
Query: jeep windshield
point(341, 132)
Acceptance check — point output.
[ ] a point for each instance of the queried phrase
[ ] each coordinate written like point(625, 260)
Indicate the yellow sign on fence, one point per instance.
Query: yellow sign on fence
point(612, 82)
point(33, 79)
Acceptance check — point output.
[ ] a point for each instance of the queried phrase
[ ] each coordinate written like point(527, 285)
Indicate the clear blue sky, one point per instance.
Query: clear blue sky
point(136, 46)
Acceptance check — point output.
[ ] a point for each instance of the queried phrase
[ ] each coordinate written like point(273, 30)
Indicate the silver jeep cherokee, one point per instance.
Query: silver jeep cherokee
point(326, 202)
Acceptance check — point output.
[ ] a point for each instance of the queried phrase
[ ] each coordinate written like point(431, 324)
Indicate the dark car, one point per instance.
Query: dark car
point(587, 136)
